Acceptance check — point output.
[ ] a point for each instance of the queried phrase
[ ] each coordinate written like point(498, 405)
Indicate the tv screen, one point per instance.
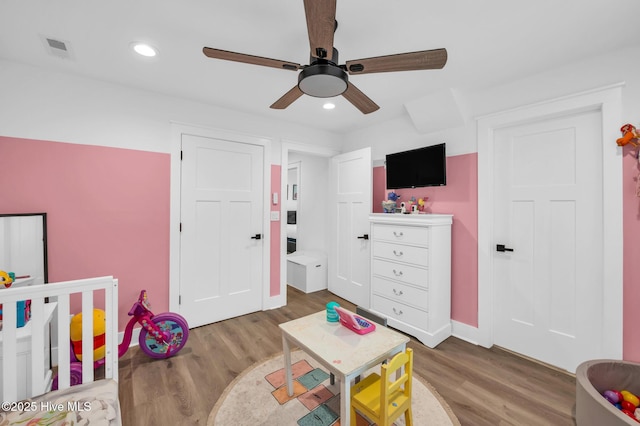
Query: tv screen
point(418, 167)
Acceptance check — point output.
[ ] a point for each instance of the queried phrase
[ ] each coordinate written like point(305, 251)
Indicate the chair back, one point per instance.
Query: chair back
point(396, 390)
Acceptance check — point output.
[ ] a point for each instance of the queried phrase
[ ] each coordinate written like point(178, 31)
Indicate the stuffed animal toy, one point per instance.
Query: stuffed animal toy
point(629, 135)
point(99, 328)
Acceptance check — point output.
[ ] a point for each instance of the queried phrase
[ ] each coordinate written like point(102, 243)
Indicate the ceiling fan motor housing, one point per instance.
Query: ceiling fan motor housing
point(323, 79)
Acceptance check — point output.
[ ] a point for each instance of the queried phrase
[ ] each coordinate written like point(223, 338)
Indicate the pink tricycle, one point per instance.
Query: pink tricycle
point(161, 336)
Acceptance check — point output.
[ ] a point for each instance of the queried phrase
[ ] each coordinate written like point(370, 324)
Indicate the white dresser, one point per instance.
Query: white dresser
point(411, 273)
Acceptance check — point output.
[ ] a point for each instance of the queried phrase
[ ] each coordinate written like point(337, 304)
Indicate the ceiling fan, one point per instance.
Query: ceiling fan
point(323, 77)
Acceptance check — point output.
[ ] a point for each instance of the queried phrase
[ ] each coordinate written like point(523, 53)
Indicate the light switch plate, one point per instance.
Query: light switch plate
point(275, 216)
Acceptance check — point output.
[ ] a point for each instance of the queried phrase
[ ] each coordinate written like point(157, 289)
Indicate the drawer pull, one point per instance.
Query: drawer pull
point(397, 311)
point(397, 293)
point(398, 234)
point(398, 253)
point(397, 273)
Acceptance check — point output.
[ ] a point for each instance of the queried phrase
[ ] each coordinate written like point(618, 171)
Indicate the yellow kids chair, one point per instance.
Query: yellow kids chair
point(381, 398)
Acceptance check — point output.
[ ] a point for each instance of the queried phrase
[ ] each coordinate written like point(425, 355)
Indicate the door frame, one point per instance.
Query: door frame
point(607, 100)
point(286, 146)
point(177, 130)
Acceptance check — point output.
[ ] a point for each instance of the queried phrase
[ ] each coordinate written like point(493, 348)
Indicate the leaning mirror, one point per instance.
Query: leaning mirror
point(23, 246)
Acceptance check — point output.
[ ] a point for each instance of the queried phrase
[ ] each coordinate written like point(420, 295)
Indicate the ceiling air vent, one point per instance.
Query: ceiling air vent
point(58, 48)
point(57, 44)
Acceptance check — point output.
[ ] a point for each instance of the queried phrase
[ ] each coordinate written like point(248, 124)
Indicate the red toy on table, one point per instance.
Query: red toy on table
point(354, 322)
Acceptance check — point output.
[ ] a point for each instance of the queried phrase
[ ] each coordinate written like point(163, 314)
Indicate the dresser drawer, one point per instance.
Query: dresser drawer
point(400, 312)
point(401, 253)
point(400, 234)
point(401, 293)
point(405, 273)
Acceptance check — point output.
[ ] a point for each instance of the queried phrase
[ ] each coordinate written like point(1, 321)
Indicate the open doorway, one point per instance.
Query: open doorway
point(293, 182)
point(305, 224)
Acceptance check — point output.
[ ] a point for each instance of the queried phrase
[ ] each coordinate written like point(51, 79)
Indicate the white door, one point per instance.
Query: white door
point(548, 210)
point(221, 221)
point(350, 198)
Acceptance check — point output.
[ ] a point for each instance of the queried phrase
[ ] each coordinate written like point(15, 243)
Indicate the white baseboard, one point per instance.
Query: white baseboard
point(275, 302)
point(465, 332)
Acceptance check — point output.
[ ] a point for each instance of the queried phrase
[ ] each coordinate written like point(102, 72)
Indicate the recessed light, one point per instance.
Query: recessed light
point(144, 49)
point(328, 105)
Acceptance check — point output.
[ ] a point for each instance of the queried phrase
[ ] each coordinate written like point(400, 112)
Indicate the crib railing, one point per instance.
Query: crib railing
point(60, 295)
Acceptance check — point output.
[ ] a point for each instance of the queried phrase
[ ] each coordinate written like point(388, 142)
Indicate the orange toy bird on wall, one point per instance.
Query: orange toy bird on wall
point(629, 135)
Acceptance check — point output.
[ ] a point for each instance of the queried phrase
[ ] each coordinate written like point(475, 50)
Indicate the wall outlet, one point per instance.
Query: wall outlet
point(275, 216)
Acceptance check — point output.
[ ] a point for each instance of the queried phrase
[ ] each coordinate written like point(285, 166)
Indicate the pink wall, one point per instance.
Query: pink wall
point(107, 212)
point(379, 185)
point(631, 260)
point(275, 233)
point(460, 198)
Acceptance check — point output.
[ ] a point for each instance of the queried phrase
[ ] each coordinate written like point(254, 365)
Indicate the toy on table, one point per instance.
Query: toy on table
point(354, 322)
point(332, 315)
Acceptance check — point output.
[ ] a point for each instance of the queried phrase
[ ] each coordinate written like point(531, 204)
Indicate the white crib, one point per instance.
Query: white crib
point(56, 310)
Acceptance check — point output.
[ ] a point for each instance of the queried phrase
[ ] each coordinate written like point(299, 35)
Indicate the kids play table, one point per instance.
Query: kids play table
point(341, 351)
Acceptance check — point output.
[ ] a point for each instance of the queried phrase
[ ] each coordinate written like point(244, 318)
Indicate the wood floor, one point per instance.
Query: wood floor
point(482, 386)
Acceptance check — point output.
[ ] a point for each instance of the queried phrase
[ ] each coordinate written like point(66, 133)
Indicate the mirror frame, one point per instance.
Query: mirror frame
point(44, 238)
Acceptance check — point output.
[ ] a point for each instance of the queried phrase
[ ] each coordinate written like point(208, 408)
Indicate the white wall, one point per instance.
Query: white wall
point(591, 73)
point(39, 104)
point(313, 225)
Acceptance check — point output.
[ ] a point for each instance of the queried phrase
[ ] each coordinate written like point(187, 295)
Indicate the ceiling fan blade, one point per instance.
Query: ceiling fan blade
point(288, 98)
point(423, 60)
point(359, 99)
point(321, 24)
point(249, 59)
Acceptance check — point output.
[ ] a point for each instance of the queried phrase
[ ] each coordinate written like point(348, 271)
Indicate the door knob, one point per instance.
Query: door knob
point(257, 237)
point(502, 248)
point(364, 237)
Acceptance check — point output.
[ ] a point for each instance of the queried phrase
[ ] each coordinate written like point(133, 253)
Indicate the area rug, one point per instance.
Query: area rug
point(258, 397)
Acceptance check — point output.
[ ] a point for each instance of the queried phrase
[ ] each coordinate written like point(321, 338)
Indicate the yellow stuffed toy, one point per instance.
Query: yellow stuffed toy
point(99, 328)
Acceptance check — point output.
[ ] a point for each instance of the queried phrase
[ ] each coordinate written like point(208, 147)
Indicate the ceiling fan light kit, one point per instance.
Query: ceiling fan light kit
point(323, 77)
point(323, 81)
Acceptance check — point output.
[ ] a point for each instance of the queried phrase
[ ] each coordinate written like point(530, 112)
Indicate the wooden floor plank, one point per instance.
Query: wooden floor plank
point(482, 386)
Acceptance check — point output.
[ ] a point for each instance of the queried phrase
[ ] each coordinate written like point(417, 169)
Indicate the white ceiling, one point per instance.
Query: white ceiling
point(488, 42)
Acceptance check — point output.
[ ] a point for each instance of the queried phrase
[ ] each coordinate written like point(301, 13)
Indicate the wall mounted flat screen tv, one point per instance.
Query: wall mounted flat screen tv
point(417, 168)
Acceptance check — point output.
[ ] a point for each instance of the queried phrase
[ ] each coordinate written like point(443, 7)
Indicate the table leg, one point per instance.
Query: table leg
point(287, 365)
point(345, 404)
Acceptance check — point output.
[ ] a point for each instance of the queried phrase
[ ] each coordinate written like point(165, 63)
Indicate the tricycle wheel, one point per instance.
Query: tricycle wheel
point(75, 376)
point(170, 323)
